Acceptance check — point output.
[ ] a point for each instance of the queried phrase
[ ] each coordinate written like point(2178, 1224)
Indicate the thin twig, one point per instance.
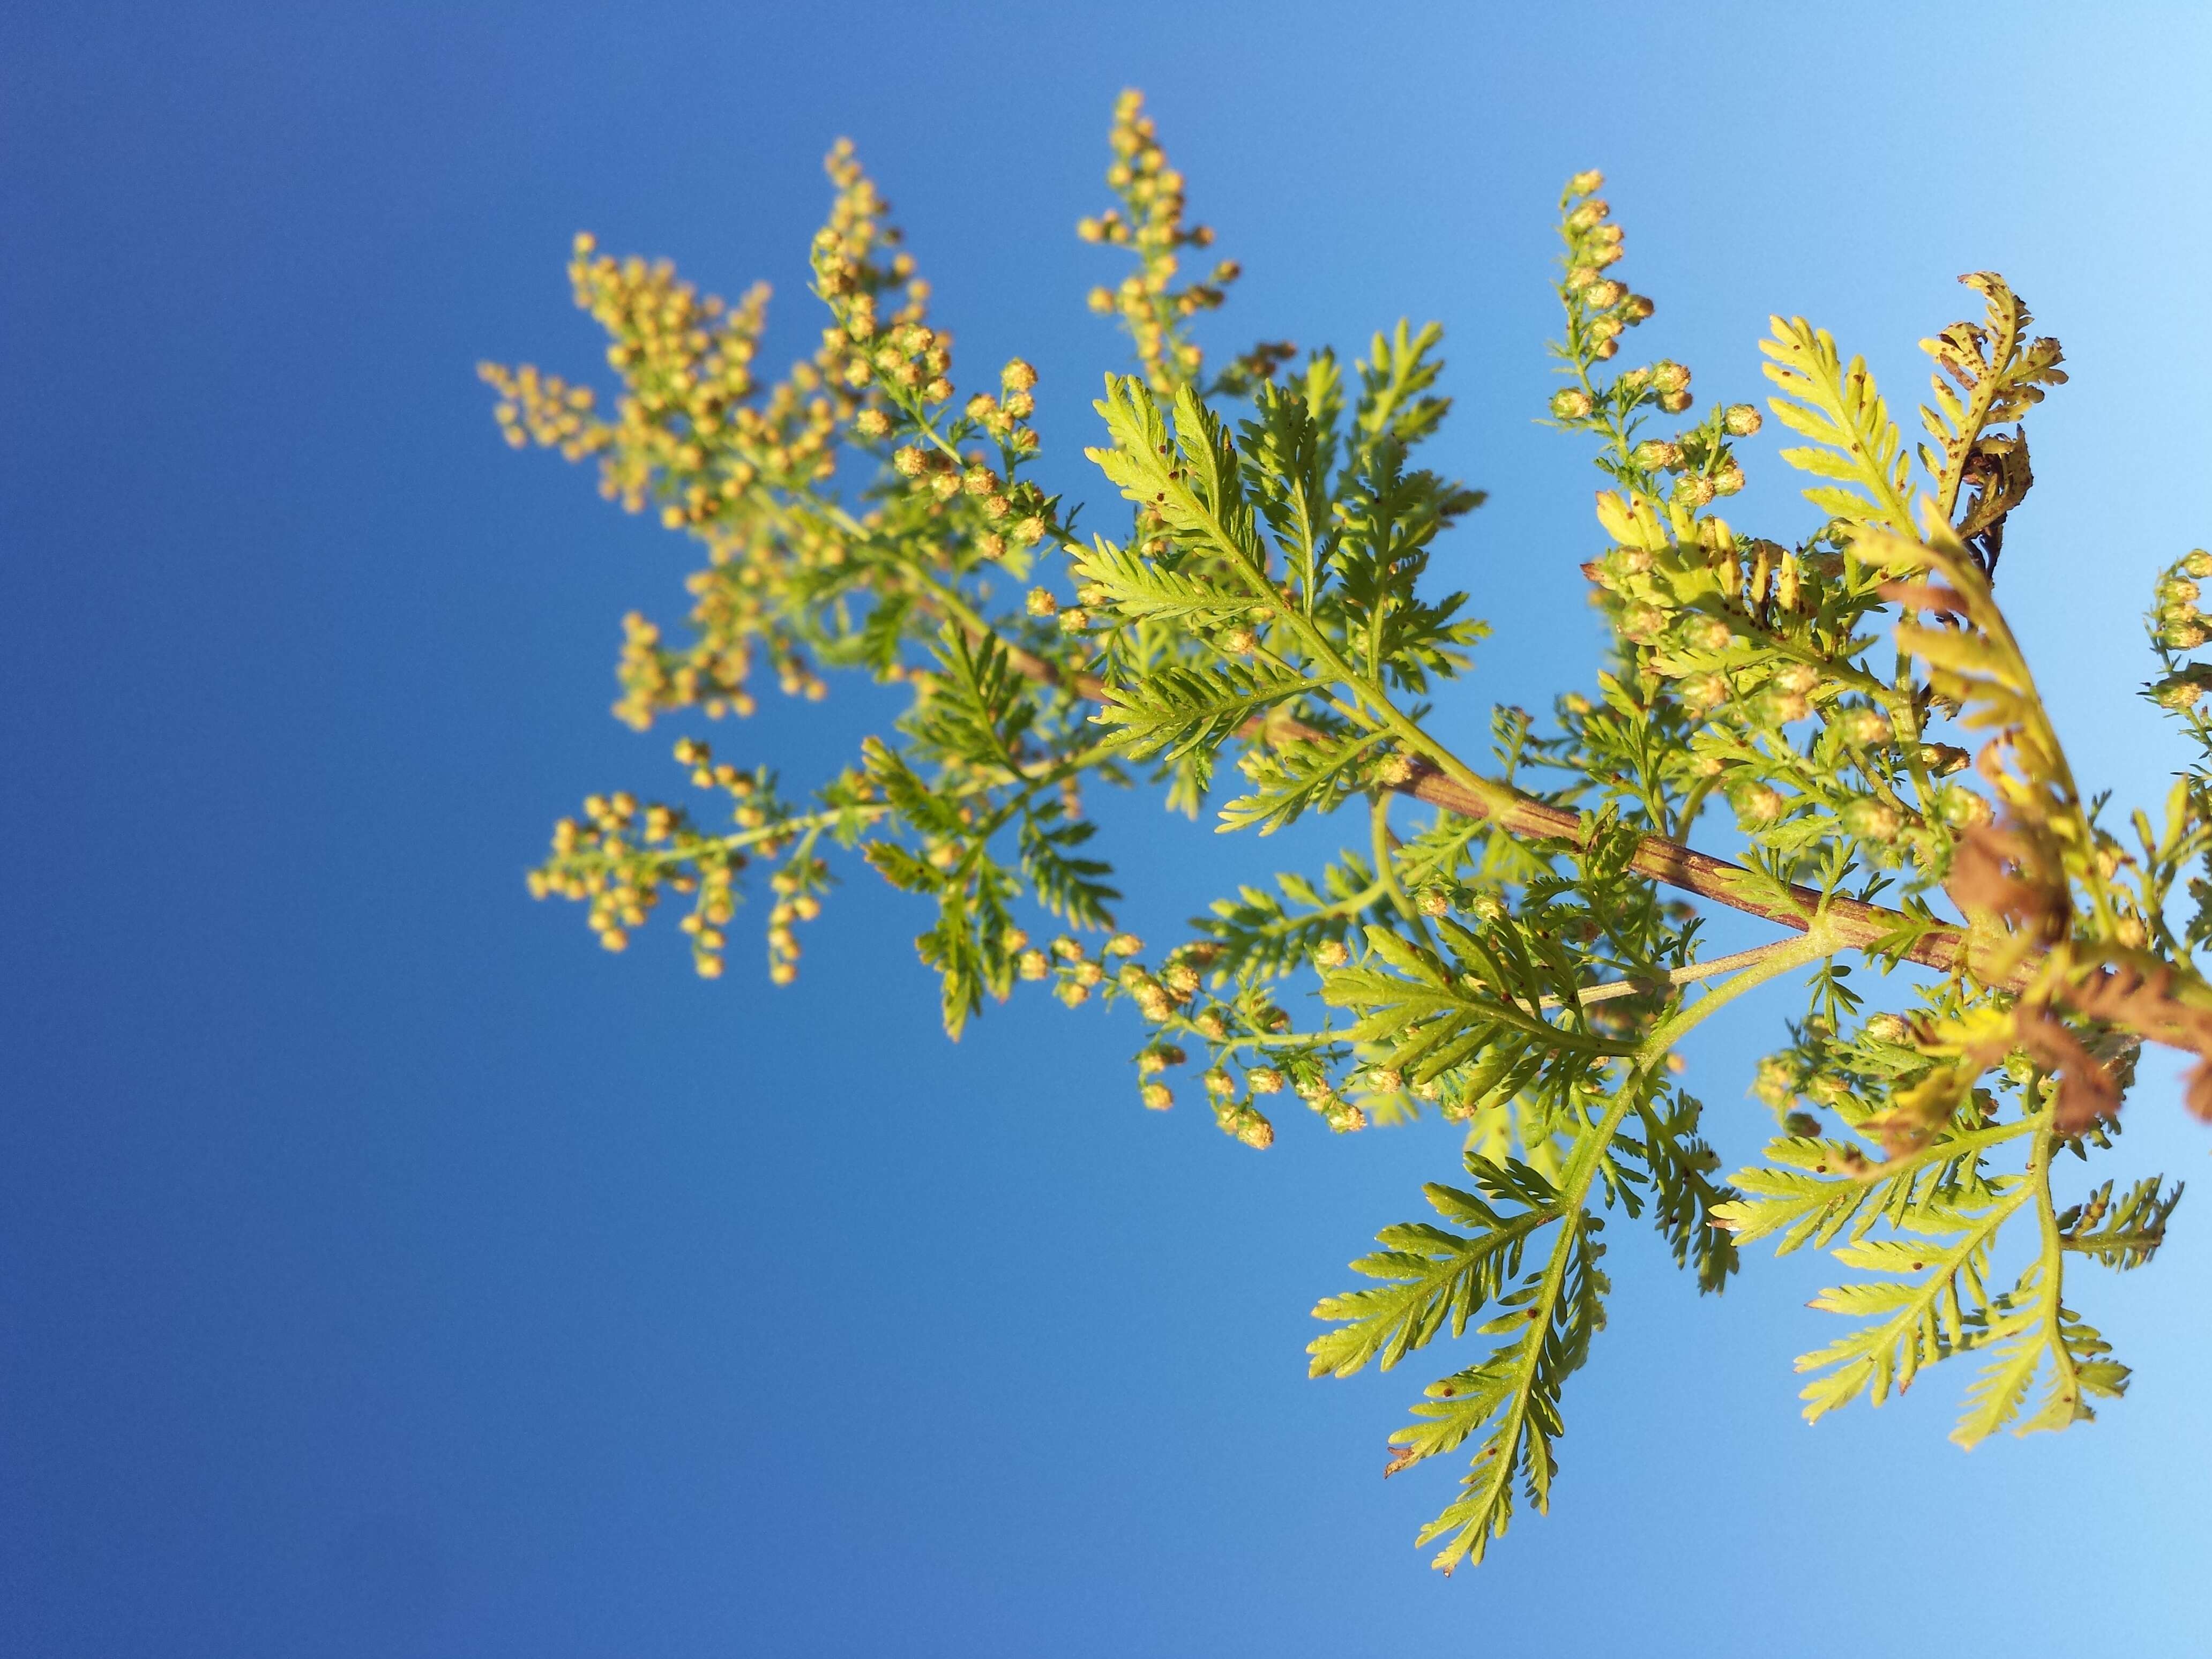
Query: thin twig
point(1612, 989)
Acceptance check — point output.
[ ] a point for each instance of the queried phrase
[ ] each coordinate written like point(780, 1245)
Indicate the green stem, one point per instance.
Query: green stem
point(1591, 1152)
point(1386, 870)
point(2051, 1280)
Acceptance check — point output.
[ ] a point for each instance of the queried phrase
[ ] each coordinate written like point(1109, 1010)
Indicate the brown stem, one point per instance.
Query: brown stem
point(1858, 925)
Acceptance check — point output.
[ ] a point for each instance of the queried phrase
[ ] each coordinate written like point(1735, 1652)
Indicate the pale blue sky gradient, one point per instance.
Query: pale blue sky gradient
point(384, 1270)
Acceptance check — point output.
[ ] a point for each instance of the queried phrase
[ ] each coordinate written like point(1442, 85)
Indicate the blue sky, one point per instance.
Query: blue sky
point(384, 1270)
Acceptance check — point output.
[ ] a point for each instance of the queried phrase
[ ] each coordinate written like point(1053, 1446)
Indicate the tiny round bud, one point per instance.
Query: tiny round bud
point(1707, 634)
point(1433, 903)
point(1018, 375)
point(1873, 820)
point(1124, 945)
point(1676, 402)
point(1702, 692)
point(1330, 953)
point(1729, 479)
point(2185, 634)
point(1758, 804)
point(1640, 623)
point(1696, 489)
point(1605, 295)
point(1040, 603)
point(1585, 184)
point(1797, 677)
point(1785, 706)
point(1773, 1082)
point(1033, 964)
point(1240, 641)
point(1157, 1096)
point(1570, 404)
point(1741, 420)
point(2198, 564)
point(1656, 455)
point(1638, 307)
point(1964, 809)
point(1670, 376)
point(1865, 725)
point(1887, 1028)
point(2179, 692)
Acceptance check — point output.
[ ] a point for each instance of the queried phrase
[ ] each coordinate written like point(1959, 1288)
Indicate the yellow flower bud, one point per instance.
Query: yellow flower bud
point(1758, 804)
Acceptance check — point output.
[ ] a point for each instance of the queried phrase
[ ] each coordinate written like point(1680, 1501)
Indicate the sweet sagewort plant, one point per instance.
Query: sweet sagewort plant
point(1523, 960)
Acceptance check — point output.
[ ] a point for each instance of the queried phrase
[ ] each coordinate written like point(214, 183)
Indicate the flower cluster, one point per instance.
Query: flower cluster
point(1150, 223)
point(1697, 465)
point(2177, 621)
point(2179, 627)
point(1599, 308)
point(622, 856)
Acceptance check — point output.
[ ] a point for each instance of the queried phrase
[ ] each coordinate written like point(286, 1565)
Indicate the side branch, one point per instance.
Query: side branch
point(1855, 925)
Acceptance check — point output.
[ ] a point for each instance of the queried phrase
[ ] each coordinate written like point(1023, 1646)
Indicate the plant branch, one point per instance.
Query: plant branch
point(1857, 925)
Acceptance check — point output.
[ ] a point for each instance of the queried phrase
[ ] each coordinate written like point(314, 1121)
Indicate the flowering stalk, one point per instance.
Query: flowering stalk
point(1523, 963)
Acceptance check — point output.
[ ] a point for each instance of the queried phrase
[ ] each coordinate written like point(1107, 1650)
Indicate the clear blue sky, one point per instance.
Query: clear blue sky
point(384, 1270)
